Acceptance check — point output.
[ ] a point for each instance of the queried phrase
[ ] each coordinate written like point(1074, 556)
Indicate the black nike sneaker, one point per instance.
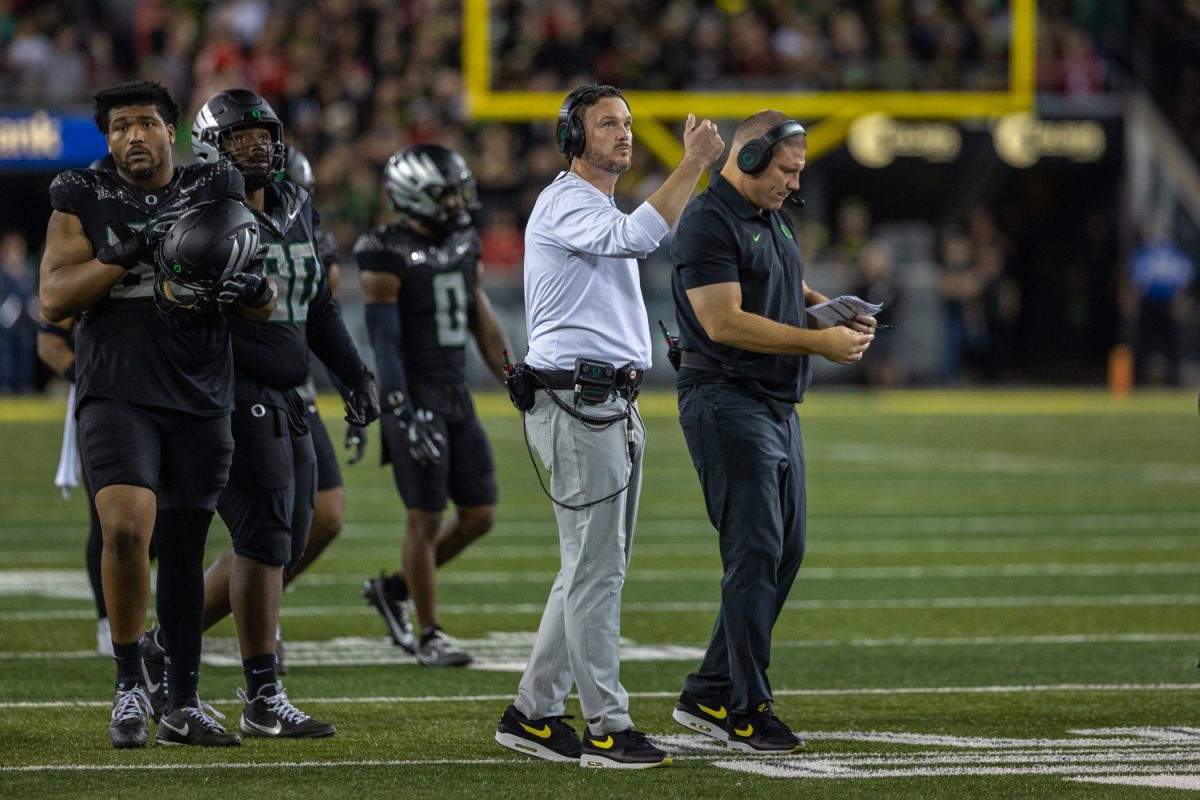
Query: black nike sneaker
point(394, 611)
point(709, 716)
point(627, 749)
point(269, 713)
point(761, 731)
point(130, 726)
point(154, 672)
point(193, 725)
point(549, 737)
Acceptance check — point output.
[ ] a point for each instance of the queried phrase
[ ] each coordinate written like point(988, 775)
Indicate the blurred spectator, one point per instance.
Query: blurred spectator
point(18, 314)
point(852, 231)
point(503, 244)
point(876, 283)
point(1161, 275)
point(968, 283)
point(30, 59)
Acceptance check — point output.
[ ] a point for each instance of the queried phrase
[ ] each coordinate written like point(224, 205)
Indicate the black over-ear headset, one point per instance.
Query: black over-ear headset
point(755, 154)
point(569, 134)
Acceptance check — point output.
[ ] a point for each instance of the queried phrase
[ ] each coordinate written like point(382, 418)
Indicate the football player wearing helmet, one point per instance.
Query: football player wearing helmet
point(423, 289)
point(268, 503)
point(155, 393)
point(330, 509)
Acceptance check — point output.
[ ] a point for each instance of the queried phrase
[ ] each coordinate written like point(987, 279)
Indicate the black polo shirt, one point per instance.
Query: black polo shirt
point(721, 239)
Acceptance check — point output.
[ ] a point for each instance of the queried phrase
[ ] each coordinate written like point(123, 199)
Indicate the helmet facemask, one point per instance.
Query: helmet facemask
point(260, 162)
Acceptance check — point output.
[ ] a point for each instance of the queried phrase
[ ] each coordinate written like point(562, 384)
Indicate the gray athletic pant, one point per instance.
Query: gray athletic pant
point(579, 637)
point(750, 458)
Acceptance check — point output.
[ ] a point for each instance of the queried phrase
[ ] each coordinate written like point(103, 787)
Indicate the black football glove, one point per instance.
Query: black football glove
point(362, 402)
point(356, 443)
point(131, 247)
point(424, 441)
point(248, 288)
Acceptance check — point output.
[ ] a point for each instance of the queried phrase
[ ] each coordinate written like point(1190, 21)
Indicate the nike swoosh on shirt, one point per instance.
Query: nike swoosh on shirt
point(756, 236)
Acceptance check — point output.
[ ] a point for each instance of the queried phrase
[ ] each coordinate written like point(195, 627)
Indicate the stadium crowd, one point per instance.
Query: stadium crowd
point(356, 80)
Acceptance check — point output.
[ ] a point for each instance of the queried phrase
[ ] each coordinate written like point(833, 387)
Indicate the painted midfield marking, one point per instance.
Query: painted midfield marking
point(1140, 756)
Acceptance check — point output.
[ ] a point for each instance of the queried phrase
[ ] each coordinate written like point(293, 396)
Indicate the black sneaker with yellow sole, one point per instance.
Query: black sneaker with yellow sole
point(628, 749)
point(549, 737)
point(761, 731)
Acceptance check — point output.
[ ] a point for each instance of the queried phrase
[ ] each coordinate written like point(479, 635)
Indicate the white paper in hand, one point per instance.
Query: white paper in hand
point(843, 309)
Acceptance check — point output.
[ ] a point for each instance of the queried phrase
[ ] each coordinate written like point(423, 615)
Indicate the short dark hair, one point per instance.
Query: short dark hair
point(136, 93)
point(594, 94)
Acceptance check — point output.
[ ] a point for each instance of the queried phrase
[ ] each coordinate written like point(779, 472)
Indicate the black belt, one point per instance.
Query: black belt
point(565, 379)
point(694, 360)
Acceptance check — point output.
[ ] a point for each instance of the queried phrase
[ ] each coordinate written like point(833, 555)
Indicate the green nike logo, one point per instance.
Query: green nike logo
point(715, 713)
point(604, 744)
point(746, 731)
point(541, 733)
point(756, 236)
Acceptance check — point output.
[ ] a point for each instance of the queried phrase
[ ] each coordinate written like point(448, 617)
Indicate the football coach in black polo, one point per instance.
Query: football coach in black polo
point(740, 299)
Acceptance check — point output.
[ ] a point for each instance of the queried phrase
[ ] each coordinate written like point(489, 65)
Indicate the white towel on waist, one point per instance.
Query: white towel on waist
point(69, 466)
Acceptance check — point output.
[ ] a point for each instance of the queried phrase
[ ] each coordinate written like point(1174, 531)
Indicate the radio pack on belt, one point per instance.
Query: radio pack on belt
point(594, 380)
point(520, 384)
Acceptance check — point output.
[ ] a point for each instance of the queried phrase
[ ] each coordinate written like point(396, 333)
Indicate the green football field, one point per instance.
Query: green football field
point(1000, 599)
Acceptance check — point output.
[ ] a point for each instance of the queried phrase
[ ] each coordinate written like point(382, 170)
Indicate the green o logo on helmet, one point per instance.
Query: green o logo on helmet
point(256, 113)
point(177, 268)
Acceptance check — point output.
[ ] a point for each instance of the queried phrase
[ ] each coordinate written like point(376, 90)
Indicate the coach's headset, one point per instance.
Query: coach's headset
point(755, 155)
point(569, 134)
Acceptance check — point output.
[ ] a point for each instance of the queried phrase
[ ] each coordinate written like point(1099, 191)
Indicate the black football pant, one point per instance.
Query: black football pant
point(750, 458)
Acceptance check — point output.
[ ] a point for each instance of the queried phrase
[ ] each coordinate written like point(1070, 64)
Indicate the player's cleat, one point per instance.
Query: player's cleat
point(395, 613)
point(627, 749)
point(439, 650)
point(549, 737)
point(192, 725)
point(154, 672)
point(709, 716)
point(103, 637)
point(130, 726)
point(273, 715)
point(761, 731)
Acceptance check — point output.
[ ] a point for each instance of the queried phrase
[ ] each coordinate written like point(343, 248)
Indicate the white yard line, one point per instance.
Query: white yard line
point(849, 692)
point(885, 604)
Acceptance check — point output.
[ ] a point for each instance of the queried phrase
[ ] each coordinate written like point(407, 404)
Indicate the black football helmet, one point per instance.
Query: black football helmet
point(298, 170)
point(234, 110)
point(207, 245)
point(434, 186)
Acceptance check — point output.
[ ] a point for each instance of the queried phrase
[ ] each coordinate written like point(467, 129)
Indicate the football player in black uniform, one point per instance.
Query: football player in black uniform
point(423, 289)
point(268, 503)
point(155, 392)
point(330, 510)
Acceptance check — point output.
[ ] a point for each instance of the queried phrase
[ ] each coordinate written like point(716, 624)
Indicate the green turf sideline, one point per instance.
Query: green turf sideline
point(826, 402)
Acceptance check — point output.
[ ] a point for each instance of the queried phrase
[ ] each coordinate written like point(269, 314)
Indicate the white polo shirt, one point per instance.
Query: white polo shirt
point(582, 295)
